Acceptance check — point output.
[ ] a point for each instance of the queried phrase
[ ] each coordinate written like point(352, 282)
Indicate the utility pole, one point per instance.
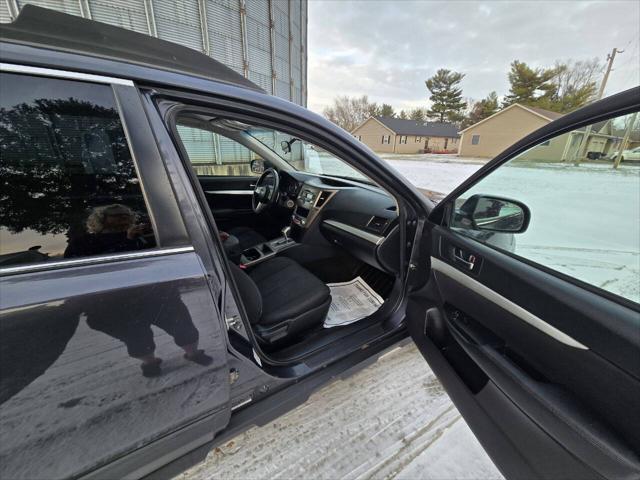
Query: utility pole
point(582, 150)
point(618, 158)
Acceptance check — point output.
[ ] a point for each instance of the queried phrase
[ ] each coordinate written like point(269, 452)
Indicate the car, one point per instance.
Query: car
point(185, 257)
point(631, 154)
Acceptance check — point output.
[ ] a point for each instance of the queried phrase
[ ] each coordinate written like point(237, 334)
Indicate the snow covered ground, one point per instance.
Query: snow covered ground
point(390, 420)
point(584, 219)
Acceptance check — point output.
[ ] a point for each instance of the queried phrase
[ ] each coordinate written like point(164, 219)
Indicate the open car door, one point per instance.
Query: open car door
point(528, 308)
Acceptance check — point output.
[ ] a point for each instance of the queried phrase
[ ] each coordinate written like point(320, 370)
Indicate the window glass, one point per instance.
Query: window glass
point(68, 182)
point(583, 212)
point(214, 154)
point(475, 139)
point(304, 156)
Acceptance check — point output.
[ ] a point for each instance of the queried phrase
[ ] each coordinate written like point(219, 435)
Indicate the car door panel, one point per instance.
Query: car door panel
point(488, 344)
point(78, 326)
point(229, 197)
point(544, 367)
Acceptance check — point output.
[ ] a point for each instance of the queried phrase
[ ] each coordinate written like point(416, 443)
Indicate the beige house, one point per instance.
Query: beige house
point(397, 135)
point(568, 147)
point(490, 136)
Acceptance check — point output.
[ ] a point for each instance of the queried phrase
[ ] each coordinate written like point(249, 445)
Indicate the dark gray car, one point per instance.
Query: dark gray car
point(171, 240)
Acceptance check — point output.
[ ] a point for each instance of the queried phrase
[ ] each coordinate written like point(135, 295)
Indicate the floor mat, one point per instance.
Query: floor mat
point(351, 301)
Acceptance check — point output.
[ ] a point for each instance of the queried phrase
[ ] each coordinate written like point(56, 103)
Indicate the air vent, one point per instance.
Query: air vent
point(392, 208)
point(377, 224)
point(322, 198)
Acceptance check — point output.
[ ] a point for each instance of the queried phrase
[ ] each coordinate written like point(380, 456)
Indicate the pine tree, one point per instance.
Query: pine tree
point(417, 114)
point(482, 109)
point(386, 110)
point(530, 86)
point(402, 115)
point(446, 96)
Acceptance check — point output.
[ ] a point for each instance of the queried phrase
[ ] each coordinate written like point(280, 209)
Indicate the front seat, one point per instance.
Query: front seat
point(247, 237)
point(282, 299)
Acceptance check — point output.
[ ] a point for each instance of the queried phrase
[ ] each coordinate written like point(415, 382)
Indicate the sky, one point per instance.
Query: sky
point(387, 49)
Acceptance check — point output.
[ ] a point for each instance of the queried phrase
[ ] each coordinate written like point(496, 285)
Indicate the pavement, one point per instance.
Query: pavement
point(392, 420)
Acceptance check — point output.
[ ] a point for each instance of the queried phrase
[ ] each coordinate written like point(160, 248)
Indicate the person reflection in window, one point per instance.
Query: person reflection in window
point(110, 229)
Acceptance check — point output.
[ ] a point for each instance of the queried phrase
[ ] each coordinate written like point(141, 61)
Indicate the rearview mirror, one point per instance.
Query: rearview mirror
point(285, 146)
point(494, 214)
point(257, 166)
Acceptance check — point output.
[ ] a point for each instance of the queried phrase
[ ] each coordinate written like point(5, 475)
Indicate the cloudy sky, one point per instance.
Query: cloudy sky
point(386, 49)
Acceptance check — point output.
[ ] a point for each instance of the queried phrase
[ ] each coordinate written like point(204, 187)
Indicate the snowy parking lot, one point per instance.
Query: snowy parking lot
point(390, 420)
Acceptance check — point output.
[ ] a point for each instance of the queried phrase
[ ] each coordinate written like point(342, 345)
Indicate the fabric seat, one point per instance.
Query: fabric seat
point(247, 237)
point(282, 299)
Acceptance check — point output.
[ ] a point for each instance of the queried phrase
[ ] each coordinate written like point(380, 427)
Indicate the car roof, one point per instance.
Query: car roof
point(44, 28)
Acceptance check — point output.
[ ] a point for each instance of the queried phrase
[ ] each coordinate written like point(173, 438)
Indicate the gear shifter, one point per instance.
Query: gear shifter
point(285, 233)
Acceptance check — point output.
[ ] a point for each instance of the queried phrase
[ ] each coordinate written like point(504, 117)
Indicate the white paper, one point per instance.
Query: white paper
point(351, 301)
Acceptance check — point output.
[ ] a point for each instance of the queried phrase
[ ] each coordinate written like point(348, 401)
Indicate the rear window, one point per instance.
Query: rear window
point(68, 182)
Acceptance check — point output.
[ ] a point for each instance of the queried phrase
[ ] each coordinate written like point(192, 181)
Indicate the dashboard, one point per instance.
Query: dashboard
point(360, 218)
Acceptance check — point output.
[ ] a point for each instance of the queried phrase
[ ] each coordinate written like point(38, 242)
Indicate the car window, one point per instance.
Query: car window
point(583, 212)
point(69, 185)
point(212, 154)
point(304, 156)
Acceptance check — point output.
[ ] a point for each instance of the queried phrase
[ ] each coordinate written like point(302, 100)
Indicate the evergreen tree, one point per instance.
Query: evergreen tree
point(446, 96)
point(482, 109)
point(417, 114)
point(403, 115)
point(563, 88)
point(530, 86)
point(386, 110)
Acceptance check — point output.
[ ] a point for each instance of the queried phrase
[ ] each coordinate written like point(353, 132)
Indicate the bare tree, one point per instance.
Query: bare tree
point(349, 112)
point(576, 83)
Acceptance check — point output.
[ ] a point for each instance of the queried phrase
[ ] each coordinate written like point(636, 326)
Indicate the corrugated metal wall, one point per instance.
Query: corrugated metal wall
point(264, 40)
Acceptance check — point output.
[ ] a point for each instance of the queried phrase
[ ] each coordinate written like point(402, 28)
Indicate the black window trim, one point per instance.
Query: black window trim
point(113, 82)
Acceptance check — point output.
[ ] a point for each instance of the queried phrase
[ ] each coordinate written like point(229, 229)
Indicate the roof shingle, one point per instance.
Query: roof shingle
point(427, 129)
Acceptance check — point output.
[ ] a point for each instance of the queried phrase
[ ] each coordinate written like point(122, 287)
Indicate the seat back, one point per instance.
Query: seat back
point(249, 293)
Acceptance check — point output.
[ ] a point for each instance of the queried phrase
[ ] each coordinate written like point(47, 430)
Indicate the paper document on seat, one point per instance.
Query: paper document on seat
point(351, 301)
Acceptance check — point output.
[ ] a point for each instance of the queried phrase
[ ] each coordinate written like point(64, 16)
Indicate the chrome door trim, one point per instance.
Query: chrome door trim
point(370, 237)
point(229, 192)
point(75, 262)
point(50, 72)
point(505, 303)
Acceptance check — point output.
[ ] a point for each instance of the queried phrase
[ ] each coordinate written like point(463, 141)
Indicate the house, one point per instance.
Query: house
point(570, 146)
point(397, 135)
point(490, 136)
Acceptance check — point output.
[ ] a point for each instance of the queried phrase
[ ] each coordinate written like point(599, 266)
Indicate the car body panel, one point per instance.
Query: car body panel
point(80, 384)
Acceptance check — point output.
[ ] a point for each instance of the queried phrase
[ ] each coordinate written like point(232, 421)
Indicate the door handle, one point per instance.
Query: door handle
point(252, 185)
point(458, 256)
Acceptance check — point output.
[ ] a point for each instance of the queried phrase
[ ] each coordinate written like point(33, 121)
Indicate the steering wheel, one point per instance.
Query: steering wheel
point(266, 191)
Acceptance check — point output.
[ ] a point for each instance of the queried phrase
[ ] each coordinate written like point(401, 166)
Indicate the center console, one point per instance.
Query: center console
point(266, 250)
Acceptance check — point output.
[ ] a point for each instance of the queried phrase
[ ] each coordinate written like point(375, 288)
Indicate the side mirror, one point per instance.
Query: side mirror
point(286, 146)
point(257, 166)
point(493, 214)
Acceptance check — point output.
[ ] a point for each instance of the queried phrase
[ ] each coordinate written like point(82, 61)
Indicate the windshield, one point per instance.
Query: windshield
point(304, 156)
